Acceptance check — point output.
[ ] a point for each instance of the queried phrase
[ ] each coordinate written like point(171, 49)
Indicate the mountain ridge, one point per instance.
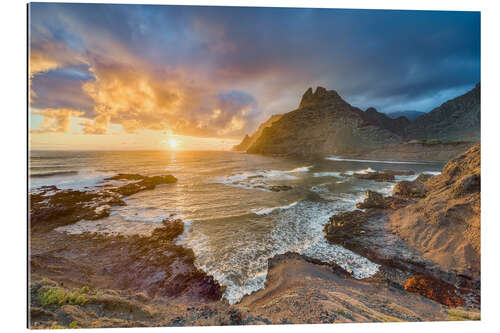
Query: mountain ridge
point(324, 123)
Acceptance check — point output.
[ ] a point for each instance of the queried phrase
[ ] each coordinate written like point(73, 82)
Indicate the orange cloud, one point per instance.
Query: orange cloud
point(56, 120)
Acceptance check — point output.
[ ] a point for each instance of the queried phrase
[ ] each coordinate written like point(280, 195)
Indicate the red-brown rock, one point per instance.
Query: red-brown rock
point(434, 289)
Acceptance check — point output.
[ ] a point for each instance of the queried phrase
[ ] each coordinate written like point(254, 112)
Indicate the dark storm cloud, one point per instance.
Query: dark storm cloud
point(392, 60)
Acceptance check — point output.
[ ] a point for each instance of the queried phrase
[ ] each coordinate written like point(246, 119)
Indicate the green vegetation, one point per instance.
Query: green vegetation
point(73, 324)
point(57, 296)
point(459, 315)
point(344, 314)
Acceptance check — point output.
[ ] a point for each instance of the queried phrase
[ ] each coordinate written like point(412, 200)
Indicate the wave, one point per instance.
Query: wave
point(362, 171)
point(434, 173)
point(265, 211)
point(300, 169)
point(297, 227)
point(336, 158)
point(257, 180)
point(327, 174)
point(54, 174)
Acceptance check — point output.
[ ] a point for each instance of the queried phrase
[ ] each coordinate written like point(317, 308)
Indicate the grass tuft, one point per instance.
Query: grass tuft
point(57, 296)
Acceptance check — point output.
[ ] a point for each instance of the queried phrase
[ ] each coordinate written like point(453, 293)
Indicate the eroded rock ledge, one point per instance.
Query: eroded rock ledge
point(51, 207)
point(429, 229)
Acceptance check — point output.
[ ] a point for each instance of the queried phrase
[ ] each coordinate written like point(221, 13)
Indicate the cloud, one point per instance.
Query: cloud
point(56, 120)
point(219, 71)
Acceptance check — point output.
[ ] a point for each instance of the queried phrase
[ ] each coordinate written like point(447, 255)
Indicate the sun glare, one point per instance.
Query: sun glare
point(173, 143)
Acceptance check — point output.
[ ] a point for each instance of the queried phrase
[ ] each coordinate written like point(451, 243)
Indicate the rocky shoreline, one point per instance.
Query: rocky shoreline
point(80, 278)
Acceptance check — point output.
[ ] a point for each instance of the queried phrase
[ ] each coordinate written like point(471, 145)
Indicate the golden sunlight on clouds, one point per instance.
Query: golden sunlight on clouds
point(55, 120)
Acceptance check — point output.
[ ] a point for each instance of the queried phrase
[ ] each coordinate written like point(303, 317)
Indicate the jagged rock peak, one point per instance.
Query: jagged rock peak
point(319, 97)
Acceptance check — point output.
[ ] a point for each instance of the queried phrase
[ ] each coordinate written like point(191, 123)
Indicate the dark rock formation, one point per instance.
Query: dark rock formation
point(344, 226)
point(412, 189)
point(375, 200)
point(375, 175)
point(279, 188)
point(51, 207)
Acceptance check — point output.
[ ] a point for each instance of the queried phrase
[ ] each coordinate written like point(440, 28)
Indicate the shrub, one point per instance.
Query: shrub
point(56, 296)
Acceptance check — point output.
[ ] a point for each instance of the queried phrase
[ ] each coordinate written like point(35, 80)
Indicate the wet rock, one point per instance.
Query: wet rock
point(412, 189)
point(147, 183)
point(376, 176)
point(162, 267)
point(344, 226)
point(126, 176)
point(375, 200)
point(398, 172)
point(51, 207)
point(279, 188)
point(434, 289)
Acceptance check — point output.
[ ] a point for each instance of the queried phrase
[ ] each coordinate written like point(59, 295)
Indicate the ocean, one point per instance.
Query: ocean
point(234, 218)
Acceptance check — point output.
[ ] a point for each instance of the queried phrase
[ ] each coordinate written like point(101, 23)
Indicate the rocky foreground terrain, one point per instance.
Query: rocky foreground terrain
point(90, 272)
point(325, 124)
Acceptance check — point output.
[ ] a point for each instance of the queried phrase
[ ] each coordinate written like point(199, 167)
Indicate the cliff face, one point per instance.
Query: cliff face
point(445, 226)
point(323, 124)
point(326, 124)
point(249, 140)
point(458, 119)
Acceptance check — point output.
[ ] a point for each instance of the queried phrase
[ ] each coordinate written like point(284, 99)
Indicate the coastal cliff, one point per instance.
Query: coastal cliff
point(446, 224)
point(249, 140)
point(325, 124)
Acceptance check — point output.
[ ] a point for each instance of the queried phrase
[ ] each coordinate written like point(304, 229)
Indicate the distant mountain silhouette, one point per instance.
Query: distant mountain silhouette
point(410, 115)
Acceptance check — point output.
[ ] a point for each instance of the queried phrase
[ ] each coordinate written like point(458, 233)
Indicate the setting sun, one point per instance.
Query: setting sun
point(173, 143)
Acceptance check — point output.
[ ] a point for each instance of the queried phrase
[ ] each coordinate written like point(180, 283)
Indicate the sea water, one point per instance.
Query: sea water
point(234, 221)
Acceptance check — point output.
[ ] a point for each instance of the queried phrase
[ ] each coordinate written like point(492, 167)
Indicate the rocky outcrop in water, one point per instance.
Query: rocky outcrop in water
point(51, 207)
point(412, 189)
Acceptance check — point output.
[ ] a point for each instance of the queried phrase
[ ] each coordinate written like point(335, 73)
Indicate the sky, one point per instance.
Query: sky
point(149, 77)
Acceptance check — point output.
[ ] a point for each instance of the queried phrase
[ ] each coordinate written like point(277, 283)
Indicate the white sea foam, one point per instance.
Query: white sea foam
point(301, 169)
point(84, 179)
point(265, 211)
point(327, 174)
point(242, 267)
point(336, 158)
point(362, 171)
point(258, 180)
point(434, 173)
